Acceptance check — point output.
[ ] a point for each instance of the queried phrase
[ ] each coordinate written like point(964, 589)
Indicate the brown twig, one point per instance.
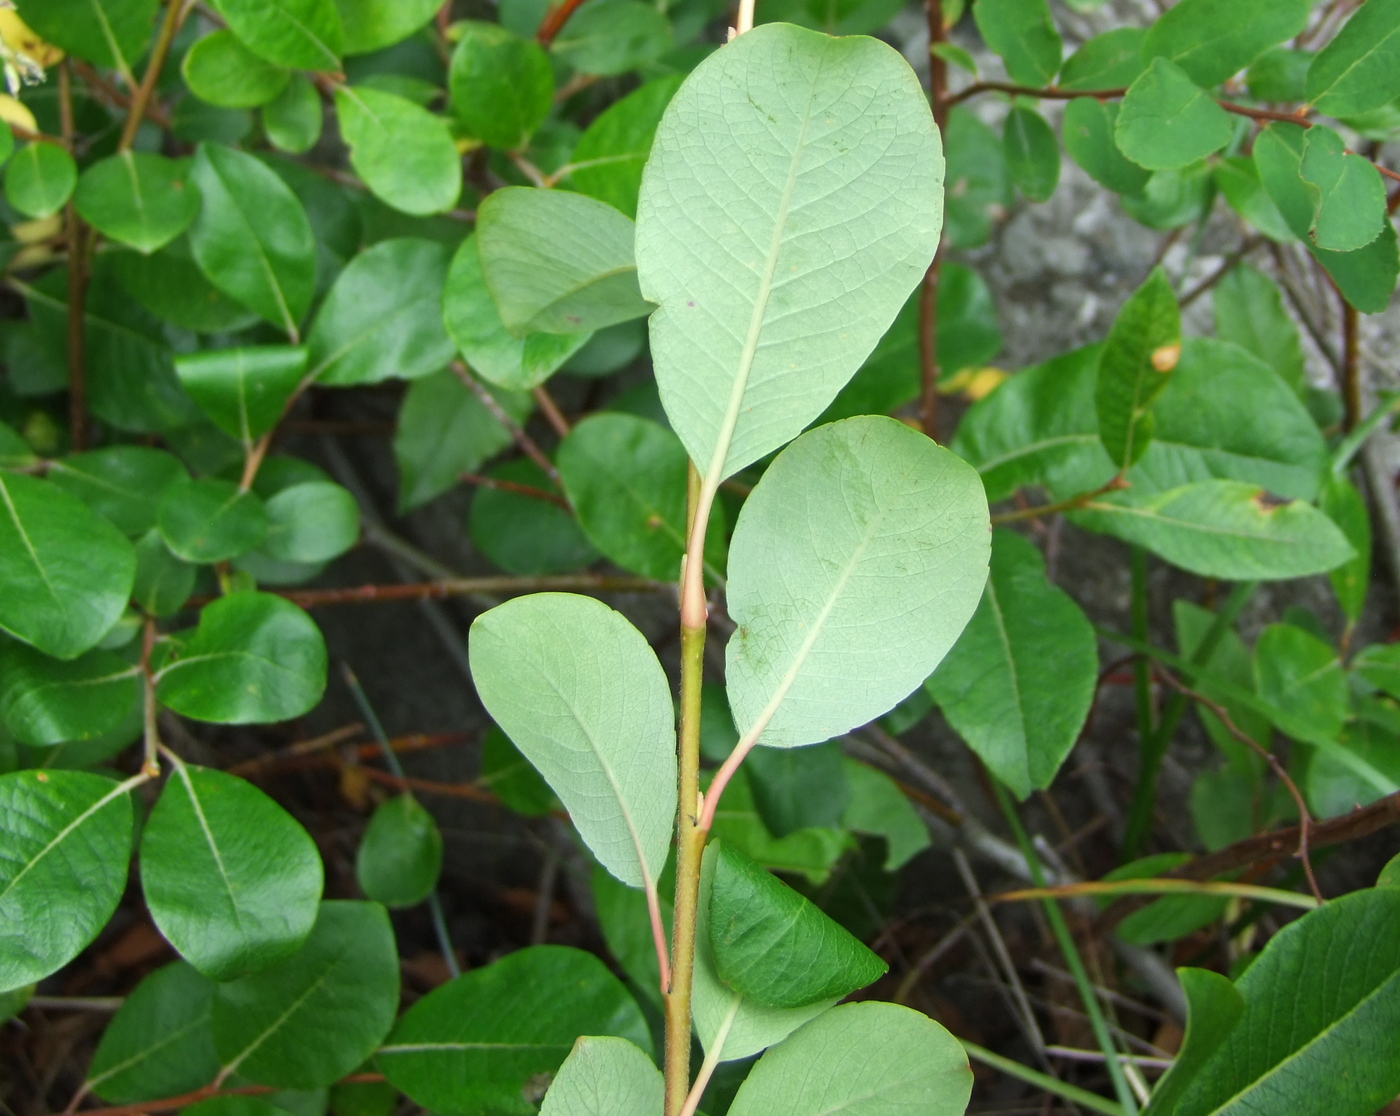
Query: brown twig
point(519, 489)
point(77, 280)
point(428, 786)
point(167, 1104)
point(928, 295)
point(1072, 504)
point(525, 443)
point(1050, 93)
point(462, 587)
point(554, 20)
point(1227, 265)
point(175, 11)
point(1299, 117)
point(1351, 366)
point(310, 754)
point(553, 415)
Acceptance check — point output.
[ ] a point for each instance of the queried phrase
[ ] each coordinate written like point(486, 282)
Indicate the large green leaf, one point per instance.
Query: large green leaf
point(1343, 504)
point(605, 1077)
point(469, 1047)
point(1112, 60)
point(1141, 351)
point(581, 694)
point(158, 1044)
point(243, 391)
point(231, 880)
point(1249, 312)
point(381, 318)
point(502, 85)
point(105, 32)
point(404, 153)
point(145, 201)
point(221, 70)
point(372, 25)
point(40, 179)
point(314, 521)
point(1321, 1009)
point(1169, 121)
point(778, 148)
point(67, 573)
point(1213, 1007)
point(67, 840)
point(313, 1018)
point(1023, 33)
point(1211, 41)
point(773, 945)
point(210, 520)
point(121, 483)
point(253, 658)
point(861, 554)
point(608, 158)
point(1301, 680)
point(1347, 194)
point(1018, 684)
point(867, 1059)
point(297, 34)
point(557, 262)
point(252, 238)
point(400, 855)
point(798, 788)
point(1359, 69)
point(50, 701)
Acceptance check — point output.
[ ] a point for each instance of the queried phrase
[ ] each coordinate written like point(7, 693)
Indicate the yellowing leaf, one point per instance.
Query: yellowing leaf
point(18, 37)
point(13, 112)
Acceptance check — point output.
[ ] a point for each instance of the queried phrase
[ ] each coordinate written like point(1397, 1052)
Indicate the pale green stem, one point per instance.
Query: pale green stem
point(712, 1057)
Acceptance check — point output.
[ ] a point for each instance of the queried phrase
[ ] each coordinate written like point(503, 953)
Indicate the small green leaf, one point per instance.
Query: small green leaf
point(400, 854)
point(1230, 662)
point(1379, 665)
point(311, 522)
point(1023, 33)
point(219, 69)
point(158, 1044)
point(813, 852)
point(868, 1059)
point(879, 807)
point(1360, 68)
point(581, 694)
point(1278, 154)
point(372, 25)
point(50, 701)
point(1237, 176)
point(67, 573)
point(210, 520)
point(1171, 198)
point(611, 37)
point(1344, 505)
point(121, 483)
point(502, 86)
point(313, 1018)
point(1018, 684)
point(605, 1077)
point(1347, 194)
point(1366, 277)
point(1088, 130)
point(1168, 121)
point(252, 238)
point(253, 658)
point(471, 1046)
point(297, 34)
point(1301, 680)
point(231, 880)
point(141, 200)
point(798, 788)
point(1212, 42)
point(243, 391)
point(526, 534)
point(773, 946)
point(1363, 766)
point(293, 119)
point(381, 318)
point(509, 776)
point(1213, 1008)
point(40, 179)
point(1032, 155)
point(163, 582)
point(813, 571)
point(609, 156)
point(978, 187)
point(1278, 75)
point(67, 842)
point(1249, 311)
point(104, 32)
point(404, 153)
point(1141, 352)
point(1112, 60)
point(1390, 874)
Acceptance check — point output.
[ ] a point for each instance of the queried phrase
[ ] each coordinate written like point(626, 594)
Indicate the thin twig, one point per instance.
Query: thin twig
point(529, 490)
point(1072, 504)
point(1050, 93)
point(553, 415)
point(310, 754)
point(168, 1104)
point(554, 21)
point(77, 279)
point(1227, 265)
point(175, 12)
point(1351, 366)
point(463, 587)
point(517, 432)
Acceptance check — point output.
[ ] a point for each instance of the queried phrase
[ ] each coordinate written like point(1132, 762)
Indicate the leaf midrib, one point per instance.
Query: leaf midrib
point(62, 835)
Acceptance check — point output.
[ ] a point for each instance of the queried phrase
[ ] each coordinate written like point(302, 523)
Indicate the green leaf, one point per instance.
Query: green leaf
point(297, 34)
point(254, 658)
point(795, 789)
point(104, 32)
point(1088, 135)
point(773, 946)
point(557, 262)
point(219, 69)
point(1249, 312)
point(252, 238)
point(210, 520)
point(163, 582)
point(1231, 662)
point(1172, 198)
point(1278, 75)
point(608, 157)
point(626, 479)
point(1347, 194)
point(443, 431)
point(1223, 528)
point(1346, 507)
point(67, 573)
point(1213, 1007)
point(509, 776)
point(1141, 351)
point(502, 86)
point(1366, 277)
point(49, 701)
point(1320, 1006)
point(879, 807)
point(243, 391)
point(158, 1043)
point(1379, 665)
point(1168, 121)
point(1390, 874)
point(381, 318)
point(1018, 684)
point(611, 37)
point(231, 880)
point(40, 178)
point(605, 1077)
point(812, 571)
point(1336, 781)
point(1301, 680)
point(121, 483)
point(1212, 42)
point(1360, 68)
point(293, 119)
point(867, 1059)
point(1032, 155)
point(311, 522)
point(311, 1019)
point(471, 1046)
point(757, 332)
point(67, 841)
point(580, 692)
point(404, 153)
point(372, 25)
point(1238, 179)
point(470, 315)
point(978, 187)
point(170, 285)
point(1171, 917)
point(400, 854)
point(141, 200)
point(1023, 33)
point(526, 533)
point(1278, 154)
point(813, 852)
point(1112, 60)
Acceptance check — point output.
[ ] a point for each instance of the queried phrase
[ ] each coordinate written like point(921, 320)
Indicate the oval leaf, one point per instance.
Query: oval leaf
point(502, 85)
point(221, 70)
point(210, 520)
point(121, 483)
point(311, 522)
point(400, 854)
point(243, 391)
point(40, 179)
point(50, 701)
point(605, 1077)
point(145, 201)
point(404, 153)
point(297, 34)
point(1135, 366)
